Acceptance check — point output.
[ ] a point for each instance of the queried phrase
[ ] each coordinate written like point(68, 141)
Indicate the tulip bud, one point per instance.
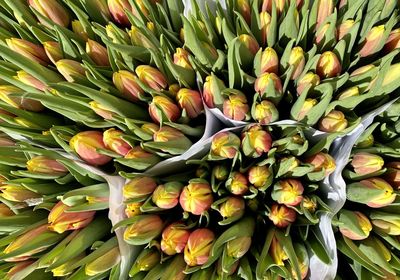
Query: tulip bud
point(163, 109)
point(309, 79)
point(225, 144)
point(147, 259)
point(17, 193)
point(277, 253)
point(174, 239)
point(79, 30)
point(269, 61)
point(322, 161)
point(181, 58)
point(237, 184)
point(393, 42)
point(308, 104)
point(166, 196)
point(362, 70)
point(320, 35)
point(190, 101)
point(101, 110)
point(353, 91)
point(126, 83)
point(198, 248)
point(232, 207)
point(267, 6)
point(250, 43)
point(196, 197)
point(245, 10)
point(19, 266)
point(259, 176)
point(19, 102)
point(52, 10)
point(145, 227)
point(386, 223)
point(152, 77)
point(60, 220)
point(365, 163)
point(64, 269)
point(325, 9)
point(140, 39)
point(133, 209)
point(373, 41)
point(103, 263)
point(86, 143)
point(139, 188)
point(354, 225)
point(220, 172)
point(167, 133)
point(29, 80)
point(392, 75)
point(366, 143)
point(281, 215)
point(116, 8)
point(235, 107)
point(335, 121)
point(310, 204)
point(71, 70)
point(97, 53)
point(256, 141)
point(265, 112)
point(5, 211)
point(265, 22)
point(45, 165)
point(53, 51)
point(238, 247)
point(138, 153)
point(392, 176)
point(384, 192)
point(113, 141)
point(212, 91)
point(328, 65)
point(298, 61)
point(344, 28)
point(288, 192)
point(30, 50)
point(262, 82)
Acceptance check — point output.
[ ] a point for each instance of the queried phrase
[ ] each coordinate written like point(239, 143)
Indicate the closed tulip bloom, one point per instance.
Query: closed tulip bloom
point(138, 153)
point(112, 139)
point(344, 28)
point(354, 225)
point(392, 75)
point(139, 188)
point(181, 58)
point(267, 5)
point(308, 104)
point(152, 77)
point(86, 143)
point(288, 192)
point(320, 35)
point(145, 226)
point(79, 30)
point(259, 176)
point(28, 49)
point(265, 23)
point(116, 8)
point(325, 9)
point(363, 70)
point(126, 83)
point(167, 133)
point(250, 43)
point(235, 106)
point(237, 184)
point(225, 144)
point(53, 51)
point(19, 102)
point(386, 223)
point(322, 161)
point(70, 69)
point(174, 239)
point(238, 247)
point(166, 196)
point(198, 248)
point(133, 209)
point(17, 193)
point(373, 41)
point(45, 165)
point(63, 270)
point(196, 197)
point(232, 207)
point(298, 61)
point(393, 42)
point(365, 163)
point(269, 61)
point(386, 196)
point(281, 215)
point(140, 39)
point(244, 9)
point(101, 110)
point(310, 204)
point(256, 141)
point(190, 101)
point(147, 259)
point(392, 176)
point(309, 79)
point(97, 53)
point(277, 253)
point(220, 172)
point(163, 109)
point(103, 263)
point(60, 220)
point(262, 82)
point(265, 112)
point(335, 121)
point(350, 92)
point(212, 91)
point(328, 65)
point(29, 80)
point(52, 10)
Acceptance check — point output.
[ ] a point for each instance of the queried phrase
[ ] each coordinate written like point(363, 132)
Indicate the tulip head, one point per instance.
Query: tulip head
point(308, 104)
point(265, 23)
point(237, 184)
point(29, 80)
point(344, 28)
point(163, 109)
point(325, 9)
point(259, 176)
point(328, 65)
point(181, 58)
point(19, 102)
point(297, 60)
point(393, 42)
point(126, 83)
point(198, 248)
point(103, 263)
point(225, 145)
point(281, 215)
point(147, 259)
point(212, 91)
point(288, 192)
point(174, 239)
point(392, 176)
point(385, 195)
point(354, 225)
point(196, 197)
point(256, 141)
point(166, 196)
point(277, 253)
point(244, 9)
point(139, 188)
point(17, 193)
point(53, 51)
point(335, 121)
point(265, 112)
point(167, 133)
point(235, 106)
point(145, 227)
point(52, 10)
point(71, 70)
point(30, 50)
point(133, 209)
point(365, 163)
point(61, 221)
point(112, 139)
point(116, 8)
point(350, 92)
point(86, 143)
point(309, 79)
point(269, 61)
point(152, 77)
point(45, 165)
point(386, 223)
point(262, 83)
point(232, 207)
point(97, 53)
point(190, 101)
point(79, 30)
point(101, 110)
point(250, 43)
point(373, 41)
point(322, 161)
point(238, 247)
point(220, 172)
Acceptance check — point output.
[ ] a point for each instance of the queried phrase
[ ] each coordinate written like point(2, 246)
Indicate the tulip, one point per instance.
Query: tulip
point(101, 110)
point(64, 269)
point(198, 248)
point(140, 39)
point(126, 83)
point(19, 102)
point(259, 176)
point(45, 165)
point(237, 184)
point(150, 128)
point(262, 82)
point(265, 112)
point(235, 107)
point(166, 196)
point(383, 192)
point(60, 220)
point(6, 141)
point(17, 193)
point(220, 172)
point(139, 188)
point(344, 28)
point(335, 121)
point(391, 75)
point(167, 133)
point(265, 22)
point(53, 51)
point(354, 225)
point(392, 176)
point(245, 10)
point(212, 91)
point(174, 239)
point(267, 6)
point(145, 227)
point(232, 207)
point(97, 53)
point(163, 109)
point(256, 141)
point(152, 77)
point(196, 197)
point(71, 70)
point(386, 223)
point(79, 30)
point(238, 247)
point(310, 204)
point(138, 153)
point(225, 144)
point(250, 43)
point(269, 61)
point(116, 8)
point(52, 10)
point(350, 92)
point(373, 41)
point(5, 211)
point(281, 215)
point(328, 65)
point(322, 161)
point(181, 58)
point(298, 61)
point(103, 263)
point(29, 80)
point(133, 209)
point(86, 143)
point(308, 104)
point(277, 253)
point(112, 139)
point(363, 70)
point(288, 192)
point(303, 260)
point(309, 79)
point(147, 259)
point(365, 163)
point(320, 35)
point(366, 143)
point(190, 101)
point(19, 266)
point(30, 50)
point(393, 42)
point(325, 9)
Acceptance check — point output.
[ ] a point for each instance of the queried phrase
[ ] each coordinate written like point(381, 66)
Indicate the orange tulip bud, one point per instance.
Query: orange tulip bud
point(277, 253)
point(181, 58)
point(140, 39)
point(198, 248)
point(126, 83)
point(235, 107)
point(393, 42)
point(52, 10)
point(139, 188)
point(79, 30)
point(250, 43)
point(113, 141)
point(365, 163)
point(325, 9)
point(322, 161)
point(103, 263)
point(167, 133)
point(163, 109)
point(267, 5)
point(281, 215)
point(387, 195)
point(232, 207)
point(45, 165)
point(70, 69)
point(166, 196)
point(335, 121)
point(298, 61)
point(256, 141)
point(269, 61)
point(152, 77)
point(265, 22)
point(225, 144)
point(328, 65)
point(288, 192)
point(53, 51)
point(392, 176)
point(97, 53)
point(245, 10)
point(190, 101)
point(30, 50)
point(309, 79)
point(308, 104)
point(237, 184)
point(259, 176)
point(344, 28)
point(265, 112)
point(29, 80)
point(196, 198)
point(373, 41)
point(101, 110)
point(145, 226)
point(116, 8)
point(19, 102)
point(17, 193)
point(174, 239)
point(361, 226)
point(220, 172)
point(263, 81)
point(212, 91)
point(353, 91)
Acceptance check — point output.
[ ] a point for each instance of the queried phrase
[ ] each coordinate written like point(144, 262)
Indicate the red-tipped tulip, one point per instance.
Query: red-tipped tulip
point(335, 121)
point(265, 22)
point(256, 141)
point(163, 109)
point(190, 101)
point(167, 133)
point(181, 58)
point(166, 196)
point(308, 104)
point(152, 77)
point(245, 10)
point(235, 106)
point(373, 41)
point(79, 30)
point(393, 42)
point(116, 8)
point(309, 79)
point(97, 53)
point(45, 165)
point(196, 198)
point(225, 144)
point(322, 161)
point(174, 239)
point(198, 248)
point(365, 163)
point(281, 215)
point(328, 65)
point(52, 10)
point(212, 91)
point(250, 43)
point(288, 192)
point(139, 188)
point(113, 141)
point(269, 61)
point(30, 50)
point(126, 83)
